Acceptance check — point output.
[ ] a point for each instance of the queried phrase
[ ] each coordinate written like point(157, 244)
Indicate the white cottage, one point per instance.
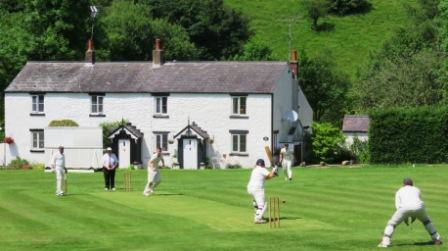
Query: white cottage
point(217, 113)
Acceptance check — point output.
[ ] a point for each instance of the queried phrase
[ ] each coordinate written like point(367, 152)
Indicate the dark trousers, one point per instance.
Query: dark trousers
point(109, 178)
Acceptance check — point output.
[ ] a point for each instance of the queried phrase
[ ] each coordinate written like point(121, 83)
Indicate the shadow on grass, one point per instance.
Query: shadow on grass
point(325, 27)
point(422, 243)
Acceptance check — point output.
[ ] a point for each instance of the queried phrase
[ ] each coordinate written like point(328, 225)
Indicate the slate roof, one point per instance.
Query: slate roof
point(200, 77)
point(355, 123)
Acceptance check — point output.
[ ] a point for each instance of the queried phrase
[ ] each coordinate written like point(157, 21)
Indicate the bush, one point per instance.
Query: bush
point(360, 150)
point(63, 122)
point(19, 164)
point(108, 127)
point(38, 166)
point(344, 7)
point(327, 142)
point(233, 166)
point(401, 135)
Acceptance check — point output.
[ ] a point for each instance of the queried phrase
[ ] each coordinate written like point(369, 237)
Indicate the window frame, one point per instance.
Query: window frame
point(161, 105)
point(37, 103)
point(236, 143)
point(37, 140)
point(98, 104)
point(162, 140)
point(237, 102)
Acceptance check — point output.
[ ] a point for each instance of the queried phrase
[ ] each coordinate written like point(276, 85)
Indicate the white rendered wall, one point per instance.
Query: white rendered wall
point(349, 136)
point(209, 111)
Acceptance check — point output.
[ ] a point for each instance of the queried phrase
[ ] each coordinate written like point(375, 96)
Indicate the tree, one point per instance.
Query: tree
point(406, 71)
point(344, 7)
point(255, 50)
point(325, 89)
point(130, 33)
point(315, 9)
point(219, 32)
point(327, 141)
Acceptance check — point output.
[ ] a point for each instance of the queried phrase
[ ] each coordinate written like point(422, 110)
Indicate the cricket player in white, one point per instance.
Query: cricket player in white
point(409, 205)
point(256, 189)
point(153, 172)
point(286, 159)
point(58, 166)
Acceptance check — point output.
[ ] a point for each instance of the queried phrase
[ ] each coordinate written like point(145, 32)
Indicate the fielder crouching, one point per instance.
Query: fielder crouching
point(256, 189)
point(409, 205)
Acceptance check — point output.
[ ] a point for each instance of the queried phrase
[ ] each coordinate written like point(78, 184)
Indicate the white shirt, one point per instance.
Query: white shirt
point(257, 178)
point(58, 160)
point(287, 155)
point(109, 161)
point(155, 162)
point(408, 197)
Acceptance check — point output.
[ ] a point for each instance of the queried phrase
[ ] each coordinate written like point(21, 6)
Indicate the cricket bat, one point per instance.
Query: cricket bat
point(269, 154)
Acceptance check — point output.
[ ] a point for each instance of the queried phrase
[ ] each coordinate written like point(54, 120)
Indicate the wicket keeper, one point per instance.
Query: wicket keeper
point(409, 205)
point(153, 172)
point(256, 189)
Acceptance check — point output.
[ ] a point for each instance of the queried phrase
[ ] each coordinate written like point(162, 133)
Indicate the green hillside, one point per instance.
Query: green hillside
point(349, 42)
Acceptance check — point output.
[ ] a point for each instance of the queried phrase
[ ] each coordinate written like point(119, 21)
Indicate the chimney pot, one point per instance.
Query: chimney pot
point(293, 63)
point(90, 53)
point(157, 55)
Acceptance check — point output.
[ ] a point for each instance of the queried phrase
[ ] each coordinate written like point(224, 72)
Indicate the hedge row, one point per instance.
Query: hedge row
point(414, 135)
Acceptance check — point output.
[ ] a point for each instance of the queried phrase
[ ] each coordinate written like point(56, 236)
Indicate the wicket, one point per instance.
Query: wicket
point(274, 212)
point(127, 181)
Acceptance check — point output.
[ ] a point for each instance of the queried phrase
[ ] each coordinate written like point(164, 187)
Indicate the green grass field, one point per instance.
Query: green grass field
point(350, 42)
point(326, 209)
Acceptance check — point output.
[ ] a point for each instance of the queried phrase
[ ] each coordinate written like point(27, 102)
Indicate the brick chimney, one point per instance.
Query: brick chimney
point(157, 55)
point(293, 63)
point(90, 53)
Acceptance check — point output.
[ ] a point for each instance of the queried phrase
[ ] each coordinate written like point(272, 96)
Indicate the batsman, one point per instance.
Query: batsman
point(256, 189)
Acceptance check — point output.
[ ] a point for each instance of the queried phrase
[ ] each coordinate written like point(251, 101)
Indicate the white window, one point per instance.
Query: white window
point(37, 103)
point(239, 143)
point(37, 139)
point(239, 105)
point(161, 105)
point(162, 141)
point(97, 104)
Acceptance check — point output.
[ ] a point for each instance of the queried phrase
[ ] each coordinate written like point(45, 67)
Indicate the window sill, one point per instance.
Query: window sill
point(239, 117)
point(161, 116)
point(239, 154)
point(93, 115)
point(34, 114)
point(37, 151)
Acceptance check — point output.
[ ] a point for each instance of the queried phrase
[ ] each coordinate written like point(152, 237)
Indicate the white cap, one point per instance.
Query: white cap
point(108, 149)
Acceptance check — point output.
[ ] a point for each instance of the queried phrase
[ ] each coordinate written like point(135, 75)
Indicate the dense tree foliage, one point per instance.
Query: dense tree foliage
point(327, 142)
point(130, 33)
point(406, 71)
point(344, 7)
point(217, 31)
point(325, 89)
point(255, 50)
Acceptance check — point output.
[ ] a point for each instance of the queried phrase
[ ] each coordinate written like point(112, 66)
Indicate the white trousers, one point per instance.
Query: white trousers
point(403, 214)
point(60, 173)
point(258, 203)
point(153, 180)
point(287, 168)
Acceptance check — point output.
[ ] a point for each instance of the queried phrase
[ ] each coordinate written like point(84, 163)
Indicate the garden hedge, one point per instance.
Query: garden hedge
point(412, 135)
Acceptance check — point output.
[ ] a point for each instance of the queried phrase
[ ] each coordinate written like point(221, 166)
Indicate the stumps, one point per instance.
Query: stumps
point(127, 181)
point(274, 212)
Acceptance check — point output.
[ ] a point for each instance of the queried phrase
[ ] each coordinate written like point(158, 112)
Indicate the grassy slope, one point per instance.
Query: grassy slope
point(349, 43)
point(326, 209)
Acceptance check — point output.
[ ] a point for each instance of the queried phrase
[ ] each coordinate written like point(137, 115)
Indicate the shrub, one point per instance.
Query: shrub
point(38, 166)
point(108, 127)
point(63, 122)
point(344, 7)
point(327, 142)
point(19, 164)
point(233, 166)
point(360, 150)
point(401, 135)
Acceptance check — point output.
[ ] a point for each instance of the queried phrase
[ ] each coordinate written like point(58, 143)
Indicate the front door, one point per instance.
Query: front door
point(124, 152)
point(190, 154)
